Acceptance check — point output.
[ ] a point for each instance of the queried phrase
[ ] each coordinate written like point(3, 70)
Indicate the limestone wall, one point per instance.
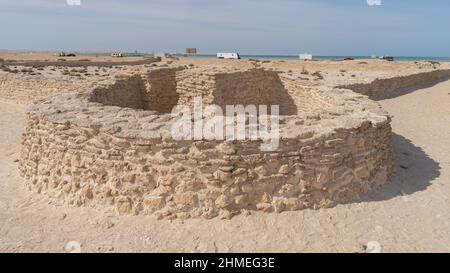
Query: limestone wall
point(162, 89)
point(127, 92)
point(87, 166)
point(383, 88)
point(27, 90)
point(106, 148)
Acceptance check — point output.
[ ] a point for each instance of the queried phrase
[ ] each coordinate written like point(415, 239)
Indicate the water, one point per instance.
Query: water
point(318, 58)
point(290, 57)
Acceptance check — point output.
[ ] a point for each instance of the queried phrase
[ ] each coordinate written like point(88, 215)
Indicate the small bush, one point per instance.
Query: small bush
point(304, 71)
point(318, 75)
point(27, 70)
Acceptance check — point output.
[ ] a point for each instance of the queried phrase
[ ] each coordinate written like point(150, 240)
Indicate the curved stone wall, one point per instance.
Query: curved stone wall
point(105, 148)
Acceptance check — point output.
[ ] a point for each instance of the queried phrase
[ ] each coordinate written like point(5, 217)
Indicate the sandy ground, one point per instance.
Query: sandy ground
point(410, 214)
point(37, 56)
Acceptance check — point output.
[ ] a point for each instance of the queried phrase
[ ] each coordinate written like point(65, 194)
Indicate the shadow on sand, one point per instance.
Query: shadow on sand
point(414, 172)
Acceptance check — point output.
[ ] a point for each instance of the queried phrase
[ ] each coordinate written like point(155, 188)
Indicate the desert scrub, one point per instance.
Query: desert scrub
point(304, 71)
point(318, 75)
point(26, 70)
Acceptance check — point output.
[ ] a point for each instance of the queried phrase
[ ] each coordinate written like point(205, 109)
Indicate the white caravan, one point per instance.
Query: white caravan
point(233, 56)
point(306, 57)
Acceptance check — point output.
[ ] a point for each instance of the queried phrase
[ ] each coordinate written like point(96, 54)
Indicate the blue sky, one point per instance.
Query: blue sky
point(322, 27)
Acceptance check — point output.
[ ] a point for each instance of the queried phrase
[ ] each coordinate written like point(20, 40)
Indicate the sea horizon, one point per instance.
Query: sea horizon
point(244, 56)
point(292, 57)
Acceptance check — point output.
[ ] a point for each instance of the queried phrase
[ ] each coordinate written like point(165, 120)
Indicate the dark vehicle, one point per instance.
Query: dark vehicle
point(71, 55)
point(349, 59)
point(388, 58)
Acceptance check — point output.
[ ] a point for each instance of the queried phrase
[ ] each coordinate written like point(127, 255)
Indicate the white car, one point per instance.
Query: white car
point(233, 56)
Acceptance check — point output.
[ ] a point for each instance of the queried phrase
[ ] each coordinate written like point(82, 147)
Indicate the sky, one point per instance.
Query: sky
point(321, 27)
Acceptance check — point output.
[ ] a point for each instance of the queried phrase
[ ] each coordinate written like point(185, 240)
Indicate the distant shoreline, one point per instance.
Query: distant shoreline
point(273, 57)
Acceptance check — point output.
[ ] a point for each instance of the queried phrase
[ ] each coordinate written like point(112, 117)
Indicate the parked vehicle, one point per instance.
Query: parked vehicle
point(233, 56)
point(162, 55)
point(349, 59)
point(117, 54)
point(306, 57)
point(388, 58)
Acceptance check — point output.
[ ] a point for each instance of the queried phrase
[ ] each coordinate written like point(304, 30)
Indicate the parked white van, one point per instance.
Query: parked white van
point(234, 56)
point(306, 57)
point(117, 54)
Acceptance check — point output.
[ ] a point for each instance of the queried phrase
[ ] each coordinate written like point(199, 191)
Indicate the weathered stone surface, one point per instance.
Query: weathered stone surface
point(110, 146)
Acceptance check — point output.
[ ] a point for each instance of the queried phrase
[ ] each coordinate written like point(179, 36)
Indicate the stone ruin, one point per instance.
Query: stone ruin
point(110, 146)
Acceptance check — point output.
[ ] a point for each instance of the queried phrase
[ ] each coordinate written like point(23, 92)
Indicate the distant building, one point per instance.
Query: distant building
point(191, 51)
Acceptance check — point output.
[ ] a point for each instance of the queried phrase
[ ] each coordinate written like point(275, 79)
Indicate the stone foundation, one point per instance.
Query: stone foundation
point(28, 90)
point(111, 146)
point(385, 88)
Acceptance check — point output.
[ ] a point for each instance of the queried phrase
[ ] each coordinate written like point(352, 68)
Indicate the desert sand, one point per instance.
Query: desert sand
point(39, 56)
point(409, 214)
